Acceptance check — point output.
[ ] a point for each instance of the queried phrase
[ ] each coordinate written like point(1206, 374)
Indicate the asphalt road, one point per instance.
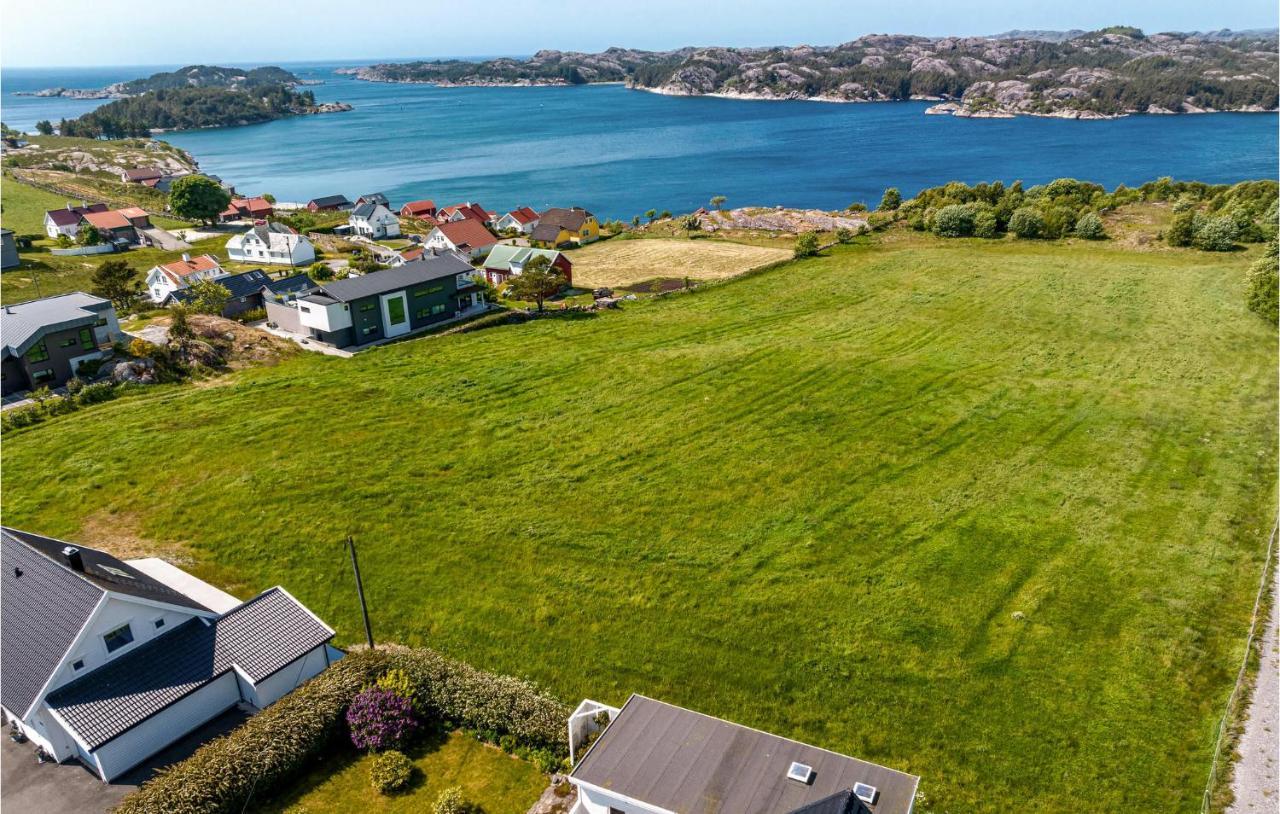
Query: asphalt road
point(1256, 783)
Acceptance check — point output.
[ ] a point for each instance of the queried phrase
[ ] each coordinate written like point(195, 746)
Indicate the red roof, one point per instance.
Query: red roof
point(181, 269)
point(143, 174)
point(467, 232)
point(108, 220)
point(414, 253)
point(469, 210)
point(416, 209)
point(252, 207)
point(523, 215)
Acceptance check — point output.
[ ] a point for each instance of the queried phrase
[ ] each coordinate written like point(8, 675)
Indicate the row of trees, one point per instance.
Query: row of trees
point(187, 109)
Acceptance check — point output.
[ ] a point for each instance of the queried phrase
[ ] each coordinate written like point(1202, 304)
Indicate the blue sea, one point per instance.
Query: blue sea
point(620, 152)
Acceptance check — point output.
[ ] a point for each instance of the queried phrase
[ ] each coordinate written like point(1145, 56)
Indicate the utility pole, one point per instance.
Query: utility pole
point(364, 609)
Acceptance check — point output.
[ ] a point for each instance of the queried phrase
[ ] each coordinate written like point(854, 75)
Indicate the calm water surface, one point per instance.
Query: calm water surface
point(620, 152)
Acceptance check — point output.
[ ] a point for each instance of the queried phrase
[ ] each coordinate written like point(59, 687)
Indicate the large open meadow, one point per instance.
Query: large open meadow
point(990, 512)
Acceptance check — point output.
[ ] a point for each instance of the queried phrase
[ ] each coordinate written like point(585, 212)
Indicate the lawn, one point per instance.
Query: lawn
point(989, 512)
point(490, 779)
point(616, 263)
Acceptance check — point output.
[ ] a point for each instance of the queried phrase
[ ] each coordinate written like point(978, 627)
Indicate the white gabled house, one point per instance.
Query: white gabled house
point(523, 220)
point(110, 661)
point(166, 278)
point(373, 220)
point(271, 243)
point(467, 237)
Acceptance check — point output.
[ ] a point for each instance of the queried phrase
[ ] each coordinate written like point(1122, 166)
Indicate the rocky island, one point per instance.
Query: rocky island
point(1078, 75)
point(192, 76)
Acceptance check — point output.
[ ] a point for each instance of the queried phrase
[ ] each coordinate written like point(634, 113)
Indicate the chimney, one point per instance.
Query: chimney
point(186, 257)
point(73, 558)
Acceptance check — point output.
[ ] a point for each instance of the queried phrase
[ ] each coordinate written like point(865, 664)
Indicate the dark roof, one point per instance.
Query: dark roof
point(105, 571)
point(571, 219)
point(41, 614)
point(681, 760)
point(259, 637)
point(545, 232)
point(430, 267)
point(329, 200)
point(240, 285)
point(291, 285)
point(71, 216)
point(842, 802)
point(375, 197)
point(143, 173)
point(364, 210)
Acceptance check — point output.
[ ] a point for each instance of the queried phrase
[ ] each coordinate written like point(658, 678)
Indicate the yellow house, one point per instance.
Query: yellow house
point(559, 227)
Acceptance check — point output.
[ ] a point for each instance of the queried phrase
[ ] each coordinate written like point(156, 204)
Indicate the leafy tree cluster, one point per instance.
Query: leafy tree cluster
point(197, 197)
point(186, 109)
point(1264, 285)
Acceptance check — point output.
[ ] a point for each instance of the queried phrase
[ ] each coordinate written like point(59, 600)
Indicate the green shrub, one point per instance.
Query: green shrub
point(1182, 229)
point(1263, 282)
point(475, 699)
point(272, 745)
point(891, 200)
point(857, 206)
point(986, 225)
point(955, 220)
point(89, 368)
point(1217, 234)
point(450, 801)
point(390, 772)
point(1090, 227)
point(252, 315)
point(807, 245)
point(1026, 223)
point(844, 235)
point(879, 220)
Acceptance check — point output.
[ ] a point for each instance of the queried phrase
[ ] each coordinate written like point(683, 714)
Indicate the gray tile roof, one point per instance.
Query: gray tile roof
point(260, 637)
point(22, 324)
point(331, 200)
point(41, 613)
point(364, 210)
point(430, 267)
point(291, 285)
point(685, 761)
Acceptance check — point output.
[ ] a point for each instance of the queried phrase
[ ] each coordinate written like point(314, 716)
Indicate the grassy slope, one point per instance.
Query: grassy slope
point(812, 500)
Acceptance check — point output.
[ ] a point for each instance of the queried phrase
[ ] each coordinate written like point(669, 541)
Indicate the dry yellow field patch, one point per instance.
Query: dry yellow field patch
point(616, 263)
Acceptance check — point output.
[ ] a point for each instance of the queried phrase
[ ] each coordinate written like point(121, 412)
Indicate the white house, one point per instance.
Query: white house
point(523, 220)
point(373, 220)
point(467, 237)
point(271, 243)
point(166, 278)
point(110, 661)
point(656, 758)
point(67, 221)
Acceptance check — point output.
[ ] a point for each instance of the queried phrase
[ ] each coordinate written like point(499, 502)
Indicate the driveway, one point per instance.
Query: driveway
point(1256, 784)
point(70, 788)
point(165, 240)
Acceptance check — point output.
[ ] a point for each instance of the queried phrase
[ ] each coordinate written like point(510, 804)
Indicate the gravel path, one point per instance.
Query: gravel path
point(1256, 785)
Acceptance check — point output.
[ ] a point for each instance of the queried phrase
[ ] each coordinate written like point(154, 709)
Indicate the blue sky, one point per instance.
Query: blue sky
point(125, 32)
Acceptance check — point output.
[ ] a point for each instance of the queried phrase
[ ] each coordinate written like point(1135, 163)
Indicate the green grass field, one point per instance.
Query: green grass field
point(990, 512)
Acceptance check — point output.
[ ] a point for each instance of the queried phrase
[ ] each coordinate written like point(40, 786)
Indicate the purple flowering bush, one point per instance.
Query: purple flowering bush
point(380, 719)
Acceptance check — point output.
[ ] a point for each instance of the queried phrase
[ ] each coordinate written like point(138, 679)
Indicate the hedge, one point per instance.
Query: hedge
point(479, 700)
point(224, 773)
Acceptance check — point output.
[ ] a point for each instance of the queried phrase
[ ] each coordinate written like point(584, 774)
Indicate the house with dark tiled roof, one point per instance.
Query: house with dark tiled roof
point(329, 203)
point(374, 198)
point(67, 221)
point(373, 220)
point(108, 661)
point(563, 227)
point(249, 290)
point(467, 236)
point(650, 757)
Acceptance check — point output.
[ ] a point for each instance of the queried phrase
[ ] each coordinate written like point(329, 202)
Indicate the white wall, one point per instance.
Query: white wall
point(333, 317)
point(166, 726)
point(115, 612)
point(275, 686)
point(598, 801)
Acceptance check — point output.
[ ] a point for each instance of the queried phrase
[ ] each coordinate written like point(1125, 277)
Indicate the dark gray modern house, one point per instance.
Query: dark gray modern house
point(389, 303)
point(656, 757)
point(45, 341)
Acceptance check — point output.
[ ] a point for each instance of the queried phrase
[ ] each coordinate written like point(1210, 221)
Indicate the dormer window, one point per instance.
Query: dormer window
point(118, 638)
point(77, 665)
point(159, 623)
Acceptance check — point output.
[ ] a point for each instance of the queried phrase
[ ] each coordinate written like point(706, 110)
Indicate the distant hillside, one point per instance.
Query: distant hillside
point(190, 108)
point(192, 76)
point(1111, 72)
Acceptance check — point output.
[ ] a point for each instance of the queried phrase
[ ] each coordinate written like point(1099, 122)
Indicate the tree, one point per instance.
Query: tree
point(88, 235)
point(718, 201)
point(1182, 229)
point(320, 271)
point(985, 224)
point(117, 281)
point(1090, 227)
point(651, 214)
point(807, 244)
point(1217, 234)
point(179, 326)
point(208, 297)
point(1264, 285)
point(537, 281)
point(44, 127)
point(196, 197)
point(844, 235)
point(956, 220)
point(268, 197)
point(690, 223)
point(1026, 223)
point(891, 200)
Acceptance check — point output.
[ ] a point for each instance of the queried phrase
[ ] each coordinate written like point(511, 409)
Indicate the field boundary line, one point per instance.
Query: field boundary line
point(1206, 800)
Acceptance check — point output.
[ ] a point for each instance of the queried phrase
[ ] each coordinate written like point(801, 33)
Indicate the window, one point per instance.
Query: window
point(44, 375)
point(66, 343)
point(423, 292)
point(368, 306)
point(102, 323)
point(437, 309)
point(159, 623)
point(118, 638)
point(86, 339)
point(368, 329)
point(38, 352)
point(77, 665)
